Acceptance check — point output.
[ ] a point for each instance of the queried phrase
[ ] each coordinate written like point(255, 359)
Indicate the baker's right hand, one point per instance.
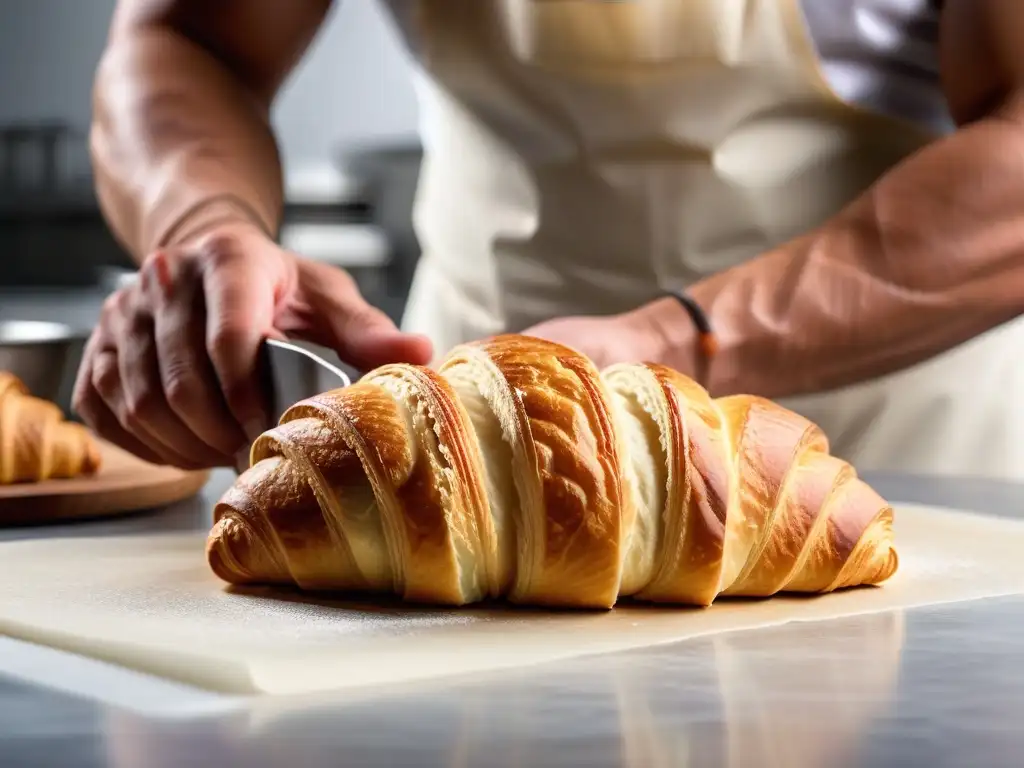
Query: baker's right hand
point(170, 374)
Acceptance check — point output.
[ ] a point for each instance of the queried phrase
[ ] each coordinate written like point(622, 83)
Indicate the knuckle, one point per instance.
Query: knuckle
point(152, 264)
point(99, 339)
point(129, 422)
point(83, 385)
point(180, 388)
point(79, 403)
point(140, 405)
point(140, 337)
point(112, 305)
point(83, 378)
point(138, 323)
point(225, 338)
point(105, 376)
point(83, 404)
point(135, 305)
point(163, 271)
point(220, 249)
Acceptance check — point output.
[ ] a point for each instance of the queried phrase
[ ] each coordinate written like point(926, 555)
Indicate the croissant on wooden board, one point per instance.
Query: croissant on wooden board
point(36, 442)
point(518, 471)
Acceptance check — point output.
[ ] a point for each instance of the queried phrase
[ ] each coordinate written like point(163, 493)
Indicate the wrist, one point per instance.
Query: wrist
point(672, 338)
point(220, 212)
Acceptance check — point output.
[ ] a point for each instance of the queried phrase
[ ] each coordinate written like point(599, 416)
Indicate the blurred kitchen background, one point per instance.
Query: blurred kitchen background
point(346, 122)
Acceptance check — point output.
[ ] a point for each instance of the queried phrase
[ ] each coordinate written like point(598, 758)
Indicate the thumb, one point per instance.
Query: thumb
point(361, 335)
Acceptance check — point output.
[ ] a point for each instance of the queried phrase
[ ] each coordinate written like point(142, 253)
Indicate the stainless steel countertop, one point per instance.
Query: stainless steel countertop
point(938, 686)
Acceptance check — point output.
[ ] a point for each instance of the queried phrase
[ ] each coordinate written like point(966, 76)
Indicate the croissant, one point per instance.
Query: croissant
point(36, 443)
point(518, 471)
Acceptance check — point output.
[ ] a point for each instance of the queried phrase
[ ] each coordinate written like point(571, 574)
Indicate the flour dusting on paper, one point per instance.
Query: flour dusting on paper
point(150, 603)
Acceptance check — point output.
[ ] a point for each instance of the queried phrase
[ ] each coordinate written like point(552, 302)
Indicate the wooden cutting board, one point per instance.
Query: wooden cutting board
point(124, 484)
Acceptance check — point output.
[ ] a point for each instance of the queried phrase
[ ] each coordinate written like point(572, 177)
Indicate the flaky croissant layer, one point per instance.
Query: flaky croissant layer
point(519, 471)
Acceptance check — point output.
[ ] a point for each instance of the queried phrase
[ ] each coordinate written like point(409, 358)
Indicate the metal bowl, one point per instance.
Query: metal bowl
point(44, 355)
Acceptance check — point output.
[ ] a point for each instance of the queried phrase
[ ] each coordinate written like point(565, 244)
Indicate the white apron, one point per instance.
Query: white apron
point(581, 156)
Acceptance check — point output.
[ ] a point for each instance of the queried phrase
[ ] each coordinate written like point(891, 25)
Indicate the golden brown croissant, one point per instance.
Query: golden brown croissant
point(519, 471)
point(36, 443)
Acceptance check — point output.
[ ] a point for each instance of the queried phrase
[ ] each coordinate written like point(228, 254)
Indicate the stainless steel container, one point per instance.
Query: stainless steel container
point(44, 355)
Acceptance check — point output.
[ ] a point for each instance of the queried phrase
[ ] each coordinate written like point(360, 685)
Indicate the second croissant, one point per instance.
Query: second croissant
point(36, 442)
point(518, 471)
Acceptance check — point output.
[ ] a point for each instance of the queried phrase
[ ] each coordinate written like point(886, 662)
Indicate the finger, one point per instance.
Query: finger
point(368, 338)
point(92, 409)
point(110, 429)
point(359, 333)
point(187, 377)
point(239, 315)
point(82, 391)
point(106, 375)
point(107, 384)
point(144, 402)
point(97, 396)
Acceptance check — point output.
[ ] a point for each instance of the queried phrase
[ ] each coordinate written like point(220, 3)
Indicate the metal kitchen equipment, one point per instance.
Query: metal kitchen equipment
point(292, 371)
point(41, 354)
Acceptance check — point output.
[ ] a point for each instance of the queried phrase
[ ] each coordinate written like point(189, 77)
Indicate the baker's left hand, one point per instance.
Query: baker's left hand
point(650, 334)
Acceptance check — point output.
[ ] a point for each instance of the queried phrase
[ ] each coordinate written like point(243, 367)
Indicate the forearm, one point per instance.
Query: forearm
point(173, 128)
point(931, 256)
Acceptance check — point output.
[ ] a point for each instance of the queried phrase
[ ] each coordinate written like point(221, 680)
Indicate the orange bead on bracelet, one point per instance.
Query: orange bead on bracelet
point(708, 340)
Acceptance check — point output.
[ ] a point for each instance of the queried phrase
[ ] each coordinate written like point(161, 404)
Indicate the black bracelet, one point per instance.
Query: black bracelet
point(708, 342)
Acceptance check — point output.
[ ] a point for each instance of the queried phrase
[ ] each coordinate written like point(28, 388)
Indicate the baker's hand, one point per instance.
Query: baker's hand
point(170, 373)
point(654, 333)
